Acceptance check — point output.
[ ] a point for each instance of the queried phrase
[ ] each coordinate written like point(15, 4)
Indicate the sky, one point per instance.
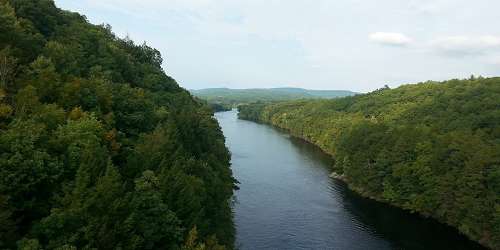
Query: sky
point(357, 45)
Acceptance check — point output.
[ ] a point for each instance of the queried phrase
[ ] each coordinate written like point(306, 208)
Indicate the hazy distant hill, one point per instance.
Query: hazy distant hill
point(233, 97)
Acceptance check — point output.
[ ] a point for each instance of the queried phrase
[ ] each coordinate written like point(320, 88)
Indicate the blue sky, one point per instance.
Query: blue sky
point(356, 45)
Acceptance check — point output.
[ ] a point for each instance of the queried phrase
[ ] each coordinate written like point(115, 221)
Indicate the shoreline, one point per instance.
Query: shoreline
point(361, 192)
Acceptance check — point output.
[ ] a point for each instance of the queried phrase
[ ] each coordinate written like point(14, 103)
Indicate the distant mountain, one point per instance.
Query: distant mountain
point(232, 97)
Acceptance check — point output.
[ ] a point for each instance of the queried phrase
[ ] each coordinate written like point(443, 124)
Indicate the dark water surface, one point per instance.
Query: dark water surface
point(287, 201)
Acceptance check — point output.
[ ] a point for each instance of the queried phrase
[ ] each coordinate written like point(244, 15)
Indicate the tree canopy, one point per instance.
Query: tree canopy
point(431, 148)
point(222, 99)
point(99, 148)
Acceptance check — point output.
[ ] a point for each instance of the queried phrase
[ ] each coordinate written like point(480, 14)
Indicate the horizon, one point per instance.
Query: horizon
point(347, 44)
point(283, 87)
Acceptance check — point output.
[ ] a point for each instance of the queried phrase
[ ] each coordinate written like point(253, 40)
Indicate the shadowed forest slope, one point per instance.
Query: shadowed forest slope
point(99, 148)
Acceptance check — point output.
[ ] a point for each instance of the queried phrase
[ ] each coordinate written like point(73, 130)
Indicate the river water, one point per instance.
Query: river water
point(287, 201)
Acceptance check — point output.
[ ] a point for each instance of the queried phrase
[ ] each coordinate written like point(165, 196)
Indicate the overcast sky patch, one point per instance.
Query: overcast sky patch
point(322, 44)
point(387, 38)
point(467, 45)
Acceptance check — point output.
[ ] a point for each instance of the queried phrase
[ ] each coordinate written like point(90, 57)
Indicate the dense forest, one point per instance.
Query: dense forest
point(222, 99)
point(431, 148)
point(99, 148)
point(217, 106)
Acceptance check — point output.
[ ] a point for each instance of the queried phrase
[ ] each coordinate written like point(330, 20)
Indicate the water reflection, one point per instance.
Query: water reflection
point(287, 201)
point(403, 229)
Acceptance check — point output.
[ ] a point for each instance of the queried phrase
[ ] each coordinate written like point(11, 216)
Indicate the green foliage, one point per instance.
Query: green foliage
point(153, 224)
point(5, 108)
point(8, 65)
point(219, 107)
point(222, 99)
point(192, 242)
point(99, 148)
point(7, 222)
point(432, 148)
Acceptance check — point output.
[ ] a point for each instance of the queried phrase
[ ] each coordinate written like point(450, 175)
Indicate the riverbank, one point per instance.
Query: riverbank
point(359, 190)
point(424, 148)
point(288, 201)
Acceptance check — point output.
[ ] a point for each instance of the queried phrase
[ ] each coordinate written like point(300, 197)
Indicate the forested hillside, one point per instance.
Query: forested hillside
point(432, 148)
point(99, 148)
point(228, 98)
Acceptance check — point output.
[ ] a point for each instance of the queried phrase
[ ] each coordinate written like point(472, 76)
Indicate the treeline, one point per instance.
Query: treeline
point(215, 106)
point(229, 98)
point(99, 148)
point(432, 148)
point(218, 107)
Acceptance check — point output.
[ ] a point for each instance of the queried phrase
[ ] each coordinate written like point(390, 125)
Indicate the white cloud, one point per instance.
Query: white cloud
point(387, 38)
point(466, 45)
point(262, 43)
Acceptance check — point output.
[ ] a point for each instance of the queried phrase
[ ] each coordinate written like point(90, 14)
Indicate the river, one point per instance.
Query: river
point(287, 201)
